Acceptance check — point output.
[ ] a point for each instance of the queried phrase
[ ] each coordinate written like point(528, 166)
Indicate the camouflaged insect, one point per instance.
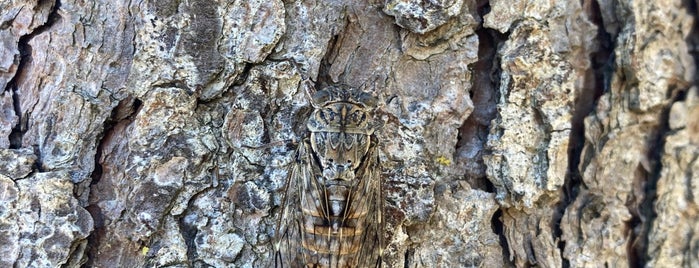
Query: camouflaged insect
point(331, 212)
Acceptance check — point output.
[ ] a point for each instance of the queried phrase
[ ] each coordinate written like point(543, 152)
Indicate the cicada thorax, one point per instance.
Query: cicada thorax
point(336, 198)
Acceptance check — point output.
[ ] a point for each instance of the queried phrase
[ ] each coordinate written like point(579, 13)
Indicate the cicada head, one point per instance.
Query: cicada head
point(343, 109)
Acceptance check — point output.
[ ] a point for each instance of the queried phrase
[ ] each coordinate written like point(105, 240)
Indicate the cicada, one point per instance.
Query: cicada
point(331, 210)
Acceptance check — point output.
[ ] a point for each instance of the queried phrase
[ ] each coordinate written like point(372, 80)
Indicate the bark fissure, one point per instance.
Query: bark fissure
point(693, 37)
point(499, 228)
point(641, 223)
point(646, 214)
point(596, 79)
point(25, 55)
point(408, 258)
point(473, 133)
point(326, 62)
point(122, 114)
point(189, 234)
point(485, 95)
point(17, 132)
point(486, 73)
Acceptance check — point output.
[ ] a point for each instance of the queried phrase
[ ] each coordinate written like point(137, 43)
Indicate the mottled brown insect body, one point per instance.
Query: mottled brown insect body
point(332, 208)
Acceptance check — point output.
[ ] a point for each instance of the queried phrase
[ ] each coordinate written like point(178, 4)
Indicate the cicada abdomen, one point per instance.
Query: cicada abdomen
point(331, 215)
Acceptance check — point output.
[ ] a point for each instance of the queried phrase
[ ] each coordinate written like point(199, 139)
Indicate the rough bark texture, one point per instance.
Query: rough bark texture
point(515, 133)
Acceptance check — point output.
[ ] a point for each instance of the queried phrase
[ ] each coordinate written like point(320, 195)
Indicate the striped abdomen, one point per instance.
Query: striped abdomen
point(332, 237)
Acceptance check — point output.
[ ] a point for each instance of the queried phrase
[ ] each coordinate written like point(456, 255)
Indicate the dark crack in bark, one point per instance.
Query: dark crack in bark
point(641, 223)
point(122, 114)
point(324, 78)
point(188, 231)
point(473, 134)
point(693, 37)
point(643, 216)
point(596, 82)
point(476, 128)
point(499, 229)
point(25, 56)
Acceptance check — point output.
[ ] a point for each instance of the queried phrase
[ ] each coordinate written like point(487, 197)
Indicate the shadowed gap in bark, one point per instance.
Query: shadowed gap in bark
point(677, 92)
point(499, 229)
point(242, 77)
point(122, 114)
point(596, 80)
point(125, 111)
point(484, 93)
point(188, 231)
point(693, 37)
point(473, 133)
point(644, 215)
point(409, 255)
point(324, 78)
point(25, 56)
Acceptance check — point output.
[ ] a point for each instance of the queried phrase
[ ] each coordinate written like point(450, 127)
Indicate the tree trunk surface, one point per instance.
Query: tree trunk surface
point(513, 133)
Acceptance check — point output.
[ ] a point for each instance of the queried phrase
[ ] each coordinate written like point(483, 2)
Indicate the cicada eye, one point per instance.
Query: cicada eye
point(367, 99)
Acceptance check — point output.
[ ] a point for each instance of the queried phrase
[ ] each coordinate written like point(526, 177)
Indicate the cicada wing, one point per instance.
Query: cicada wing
point(372, 240)
point(287, 247)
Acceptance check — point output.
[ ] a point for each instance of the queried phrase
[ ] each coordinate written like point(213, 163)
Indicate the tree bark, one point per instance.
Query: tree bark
point(514, 133)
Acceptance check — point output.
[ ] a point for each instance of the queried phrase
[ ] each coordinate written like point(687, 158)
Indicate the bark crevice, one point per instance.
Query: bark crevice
point(475, 129)
point(693, 37)
point(25, 55)
point(641, 224)
point(596, 80)
point(122, 114)
point(499, 229)
point(473, 133)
